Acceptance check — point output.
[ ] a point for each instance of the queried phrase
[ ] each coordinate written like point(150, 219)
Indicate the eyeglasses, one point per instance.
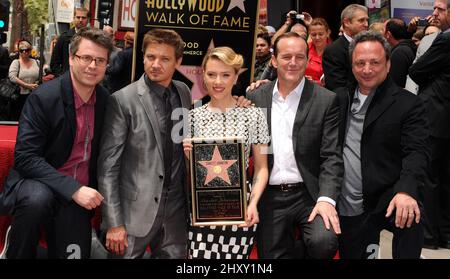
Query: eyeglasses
point(25, 50)
point(87, 59)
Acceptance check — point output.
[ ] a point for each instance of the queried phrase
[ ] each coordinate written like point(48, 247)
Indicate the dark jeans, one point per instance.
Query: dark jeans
point(67, 225)
point(280, 214)
point(360, 238)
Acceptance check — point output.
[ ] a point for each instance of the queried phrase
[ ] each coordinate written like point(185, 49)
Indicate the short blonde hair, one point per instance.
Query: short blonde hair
point(226, 55)
point(23, 43)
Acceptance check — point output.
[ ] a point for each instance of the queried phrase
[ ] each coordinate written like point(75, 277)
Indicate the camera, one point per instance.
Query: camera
point(422, 22)
point(296, 17)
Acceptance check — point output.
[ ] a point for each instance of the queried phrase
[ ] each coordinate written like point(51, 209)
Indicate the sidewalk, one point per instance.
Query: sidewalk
point(386, 249)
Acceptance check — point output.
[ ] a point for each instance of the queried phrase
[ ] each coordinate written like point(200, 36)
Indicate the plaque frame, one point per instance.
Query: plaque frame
point(217, 189)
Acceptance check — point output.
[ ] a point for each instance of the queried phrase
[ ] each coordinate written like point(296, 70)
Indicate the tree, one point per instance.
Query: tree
point(37, 11)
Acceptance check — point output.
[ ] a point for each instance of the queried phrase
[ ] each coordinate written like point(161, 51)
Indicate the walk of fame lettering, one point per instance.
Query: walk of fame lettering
point(217, 167)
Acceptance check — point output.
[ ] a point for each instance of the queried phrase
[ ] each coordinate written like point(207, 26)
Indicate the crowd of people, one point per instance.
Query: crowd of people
point(346, 138)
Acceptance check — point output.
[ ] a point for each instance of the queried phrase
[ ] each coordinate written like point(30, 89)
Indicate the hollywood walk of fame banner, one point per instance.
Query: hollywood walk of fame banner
point(202, 24)
point(218, 181)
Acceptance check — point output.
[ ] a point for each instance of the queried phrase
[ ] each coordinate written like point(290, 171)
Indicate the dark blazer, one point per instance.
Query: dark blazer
point(59, 62)
point(336, 65)
point(119, 73)
point(432, 73)
point(45, 137)
point(402, 57)
point(394, 146)
point(315, 137)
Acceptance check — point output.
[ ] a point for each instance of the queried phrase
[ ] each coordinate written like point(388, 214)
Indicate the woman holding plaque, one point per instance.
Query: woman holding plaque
point(221, 117)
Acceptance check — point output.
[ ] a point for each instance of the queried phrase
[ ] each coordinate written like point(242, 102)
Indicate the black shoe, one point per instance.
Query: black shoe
point(444, 244)
point(430, 244)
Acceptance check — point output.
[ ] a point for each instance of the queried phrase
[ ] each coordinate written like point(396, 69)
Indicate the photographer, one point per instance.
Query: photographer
point(418, 22)
point(295, 22)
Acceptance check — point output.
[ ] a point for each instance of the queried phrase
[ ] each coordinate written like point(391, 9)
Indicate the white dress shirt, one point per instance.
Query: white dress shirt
point(285, 168)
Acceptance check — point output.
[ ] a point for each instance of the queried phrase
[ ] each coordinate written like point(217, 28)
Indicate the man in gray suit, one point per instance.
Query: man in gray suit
point(306, 165)
point(141, 169)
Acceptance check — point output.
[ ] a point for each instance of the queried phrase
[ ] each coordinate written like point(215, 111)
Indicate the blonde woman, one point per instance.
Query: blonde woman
point(24, 71)
point(221, 117)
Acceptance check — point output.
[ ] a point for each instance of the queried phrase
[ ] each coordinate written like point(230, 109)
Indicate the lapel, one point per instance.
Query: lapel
point(68, 100)
point(382, 100)
point(146, 100)
point(181, 91)
point(304, 106)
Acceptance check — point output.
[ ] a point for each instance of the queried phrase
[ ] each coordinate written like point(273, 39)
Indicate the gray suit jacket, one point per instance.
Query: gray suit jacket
point(315, 137)
point(131, 165)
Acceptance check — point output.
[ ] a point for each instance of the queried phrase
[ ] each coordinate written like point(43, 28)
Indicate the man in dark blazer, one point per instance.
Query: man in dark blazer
point(306, 165)
point(141, 164)
point(52, 183)
point(59, 62)
point(335, 60)
point(386, 155)
point(432, 73)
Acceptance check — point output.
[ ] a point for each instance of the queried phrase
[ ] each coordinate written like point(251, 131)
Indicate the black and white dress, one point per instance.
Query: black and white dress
point(226, 242)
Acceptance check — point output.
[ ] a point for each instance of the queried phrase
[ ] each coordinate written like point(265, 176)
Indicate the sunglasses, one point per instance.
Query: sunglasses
point(25, 50)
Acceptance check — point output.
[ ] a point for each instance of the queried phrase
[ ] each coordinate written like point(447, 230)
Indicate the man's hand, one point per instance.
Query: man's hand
point(256, 84)
point(87, 197)
point(289, 21)
point(406, 208)
point(328, 214)
point(117, 240)
point(242, 102)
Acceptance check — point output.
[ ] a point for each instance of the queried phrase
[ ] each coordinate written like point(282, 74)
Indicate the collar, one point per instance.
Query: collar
point(349, 39)
point(156, 87)
point(296, 92)
point(79, 102)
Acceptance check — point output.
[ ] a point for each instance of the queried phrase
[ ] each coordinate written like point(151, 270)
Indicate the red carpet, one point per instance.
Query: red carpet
point(7, 142)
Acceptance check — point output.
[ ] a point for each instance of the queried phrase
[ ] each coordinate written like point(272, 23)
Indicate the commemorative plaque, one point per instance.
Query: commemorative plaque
point(218, 182)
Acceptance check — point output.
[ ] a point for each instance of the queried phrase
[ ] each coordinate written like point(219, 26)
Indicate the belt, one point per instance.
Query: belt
point(287, 187)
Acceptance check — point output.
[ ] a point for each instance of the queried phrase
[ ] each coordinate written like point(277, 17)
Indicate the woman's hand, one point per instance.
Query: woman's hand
point(32, 86)
point(252, 217)
point(187, 147)
point(308, 18)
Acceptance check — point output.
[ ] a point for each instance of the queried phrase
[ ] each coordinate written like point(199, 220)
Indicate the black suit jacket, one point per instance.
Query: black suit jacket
point(45, 137)
point(336, 64)
point(394, 146)
point(59, 63)
point(315, 137)
point(432, 73)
